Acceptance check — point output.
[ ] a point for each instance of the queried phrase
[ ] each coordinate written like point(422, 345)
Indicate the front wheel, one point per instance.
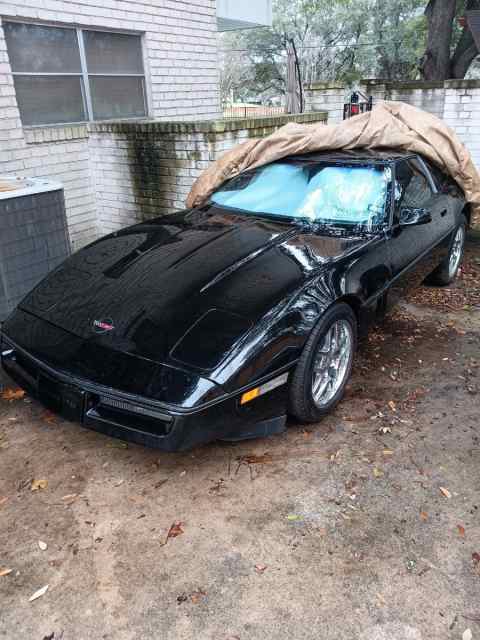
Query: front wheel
point(447, 271)
point(324, 368)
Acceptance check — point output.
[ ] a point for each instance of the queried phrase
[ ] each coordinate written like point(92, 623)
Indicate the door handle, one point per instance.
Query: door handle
point(443, 213)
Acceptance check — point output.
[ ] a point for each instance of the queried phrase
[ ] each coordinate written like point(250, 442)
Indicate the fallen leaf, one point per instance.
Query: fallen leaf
point(38, 594)
point(41, 483)
point(293, 518)
point(392, 406)
point(424, 516)
point(467, 634)
point(49, 417)
point(3, 500)
point(43, 545)
point(69, 498)
point(198, 595)
point(445, 492)
point(4, 571)
point(384, 430)
point(378, 473)
point(476, 558)
point(174, 531)
point(260, 568)
point(118, 445)
point(13, 394)
point(461, 530)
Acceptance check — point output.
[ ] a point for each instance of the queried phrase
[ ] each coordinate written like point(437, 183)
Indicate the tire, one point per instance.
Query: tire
point(311, 369)
point(447, 270)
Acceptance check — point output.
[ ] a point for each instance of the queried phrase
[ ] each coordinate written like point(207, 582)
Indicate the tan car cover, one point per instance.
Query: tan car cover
point(390, 125)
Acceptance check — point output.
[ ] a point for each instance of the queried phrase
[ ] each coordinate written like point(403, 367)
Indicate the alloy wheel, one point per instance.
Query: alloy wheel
point(456, 252)
point(330, 366)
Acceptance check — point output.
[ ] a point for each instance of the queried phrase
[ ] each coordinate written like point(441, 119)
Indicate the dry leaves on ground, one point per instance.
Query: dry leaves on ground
point(40, 483)
point(4, 571)
point(175, 530)
point(12, 394)
point(445, 492)
point(461, 530)
point(49, 417)
point(39, 593)
point(260, 568)
point(462, 295)
point(198, 595)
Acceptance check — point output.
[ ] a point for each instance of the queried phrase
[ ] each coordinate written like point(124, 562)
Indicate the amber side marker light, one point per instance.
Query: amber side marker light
point(264, 388)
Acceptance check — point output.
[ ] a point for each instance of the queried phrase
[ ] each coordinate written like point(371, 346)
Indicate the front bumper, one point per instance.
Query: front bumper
point(138, 419)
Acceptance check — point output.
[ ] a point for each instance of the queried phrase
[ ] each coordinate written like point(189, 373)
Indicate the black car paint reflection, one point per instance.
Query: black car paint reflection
point(206, 304)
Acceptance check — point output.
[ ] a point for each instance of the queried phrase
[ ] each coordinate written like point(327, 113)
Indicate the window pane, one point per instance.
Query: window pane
point(49, 99)
point(113, 52)
point(116, 97)
point(35, 49)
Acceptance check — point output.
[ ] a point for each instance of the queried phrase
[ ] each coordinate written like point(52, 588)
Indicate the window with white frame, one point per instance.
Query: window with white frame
point(64, 74)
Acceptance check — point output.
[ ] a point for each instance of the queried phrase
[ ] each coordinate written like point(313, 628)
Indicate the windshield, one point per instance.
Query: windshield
point(341, 195)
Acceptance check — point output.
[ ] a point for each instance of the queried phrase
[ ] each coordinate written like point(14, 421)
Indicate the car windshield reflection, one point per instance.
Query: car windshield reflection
point(339, 195)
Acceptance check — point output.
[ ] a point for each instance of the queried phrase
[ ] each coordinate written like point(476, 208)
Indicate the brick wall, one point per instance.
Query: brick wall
point(144, 170)
point(326, 96)
point(180, 47)
point(457, 102)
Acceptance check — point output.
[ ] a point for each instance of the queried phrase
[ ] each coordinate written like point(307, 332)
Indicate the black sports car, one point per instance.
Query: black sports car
point(217, 322)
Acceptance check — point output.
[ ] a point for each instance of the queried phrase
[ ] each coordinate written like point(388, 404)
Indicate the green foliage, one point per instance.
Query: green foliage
point(335, 39)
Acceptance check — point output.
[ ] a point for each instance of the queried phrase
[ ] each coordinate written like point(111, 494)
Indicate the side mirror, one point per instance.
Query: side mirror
point(411, 216)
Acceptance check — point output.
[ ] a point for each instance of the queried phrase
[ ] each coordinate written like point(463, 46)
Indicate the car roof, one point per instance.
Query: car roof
point(375, 155)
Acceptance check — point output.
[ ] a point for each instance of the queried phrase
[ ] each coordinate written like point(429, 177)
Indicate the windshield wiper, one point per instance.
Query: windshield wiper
point(333, 229)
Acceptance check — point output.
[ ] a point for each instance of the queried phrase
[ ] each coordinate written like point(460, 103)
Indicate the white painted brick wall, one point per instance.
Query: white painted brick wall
point(180, 47)
point(172, 158)
point(329, 97)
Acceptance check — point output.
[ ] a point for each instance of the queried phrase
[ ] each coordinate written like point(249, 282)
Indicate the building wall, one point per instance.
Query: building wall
point(326, 96)
point(457, 102)
point(144, 170)
point(180, 46)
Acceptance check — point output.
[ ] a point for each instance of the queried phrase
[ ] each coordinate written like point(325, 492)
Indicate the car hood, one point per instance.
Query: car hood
point(141, 290)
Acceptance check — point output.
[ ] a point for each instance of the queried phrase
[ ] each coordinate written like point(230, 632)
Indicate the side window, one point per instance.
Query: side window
point(439, 178)
point(412, 187)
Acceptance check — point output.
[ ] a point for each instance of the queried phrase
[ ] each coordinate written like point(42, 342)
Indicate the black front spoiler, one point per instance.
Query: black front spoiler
point(135, 419)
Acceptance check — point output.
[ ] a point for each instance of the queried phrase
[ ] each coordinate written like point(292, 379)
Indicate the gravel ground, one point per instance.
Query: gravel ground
point(363, 527)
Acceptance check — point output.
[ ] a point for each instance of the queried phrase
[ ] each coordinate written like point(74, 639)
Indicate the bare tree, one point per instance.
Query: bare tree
point(438, 62)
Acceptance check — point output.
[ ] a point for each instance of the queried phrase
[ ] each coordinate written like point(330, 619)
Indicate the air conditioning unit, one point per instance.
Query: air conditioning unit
point(33, 236)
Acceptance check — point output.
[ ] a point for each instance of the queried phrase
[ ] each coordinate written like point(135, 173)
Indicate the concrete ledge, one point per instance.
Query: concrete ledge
point(462, 84)
point(55, 133)
point(205, 126)
point(411, 85)
point(319, 86)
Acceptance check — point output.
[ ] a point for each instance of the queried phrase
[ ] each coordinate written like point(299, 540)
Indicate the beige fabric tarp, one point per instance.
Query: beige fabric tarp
point(390, 125)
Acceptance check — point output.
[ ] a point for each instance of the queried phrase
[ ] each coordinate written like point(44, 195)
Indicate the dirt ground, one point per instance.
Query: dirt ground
point(363, 527)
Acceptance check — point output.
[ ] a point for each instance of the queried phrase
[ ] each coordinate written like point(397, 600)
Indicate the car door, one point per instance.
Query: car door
point(415, 248)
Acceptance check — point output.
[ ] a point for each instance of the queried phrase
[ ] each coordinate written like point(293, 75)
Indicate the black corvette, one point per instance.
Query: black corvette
point(217, 322)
